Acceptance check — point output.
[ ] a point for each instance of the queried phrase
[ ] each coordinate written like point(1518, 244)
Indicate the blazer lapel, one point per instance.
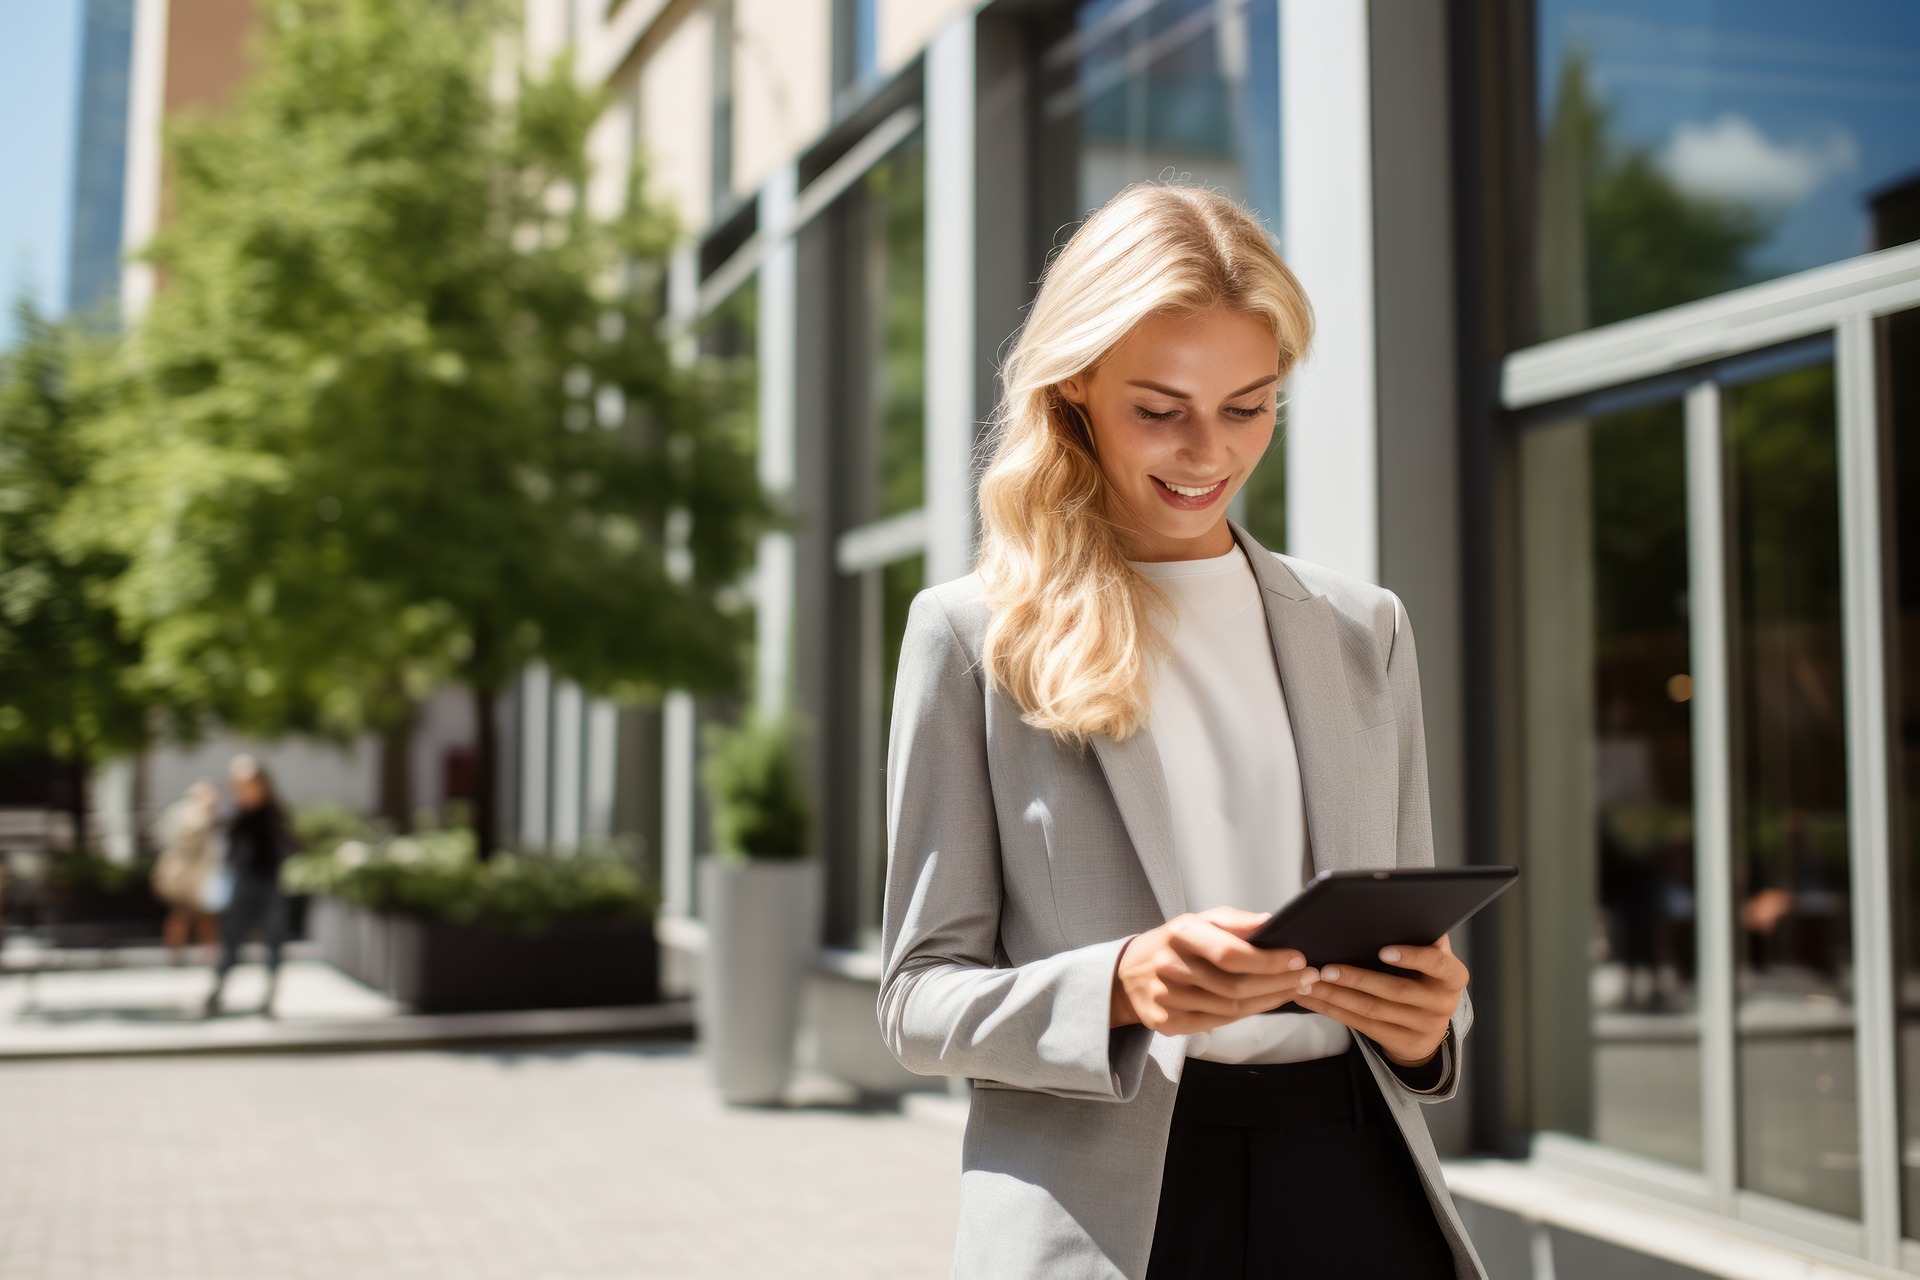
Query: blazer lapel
point(1313, 679)
point(1139, 786)
point(1306, 649)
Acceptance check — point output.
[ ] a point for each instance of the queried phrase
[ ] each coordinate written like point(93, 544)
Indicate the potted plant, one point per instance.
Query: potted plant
point(421, 918)
point(760, 897)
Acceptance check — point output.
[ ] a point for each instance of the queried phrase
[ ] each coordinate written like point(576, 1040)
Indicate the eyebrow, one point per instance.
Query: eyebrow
point(1182, 395)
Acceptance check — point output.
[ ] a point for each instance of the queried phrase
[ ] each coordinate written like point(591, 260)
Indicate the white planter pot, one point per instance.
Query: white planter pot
point(763, 932)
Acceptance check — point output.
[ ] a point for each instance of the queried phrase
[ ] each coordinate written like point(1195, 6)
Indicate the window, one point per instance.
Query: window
point(1695, 146)
point(1799, 1129)
point(1186, 88)
point(1898, 348)
point(877, 235)
point(1610, 744)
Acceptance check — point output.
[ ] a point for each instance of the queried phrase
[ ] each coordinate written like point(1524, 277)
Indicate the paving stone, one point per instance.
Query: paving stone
point(576, 1163)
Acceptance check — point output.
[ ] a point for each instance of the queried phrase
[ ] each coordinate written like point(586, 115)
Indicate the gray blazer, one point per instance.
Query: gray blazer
point(1017, 868)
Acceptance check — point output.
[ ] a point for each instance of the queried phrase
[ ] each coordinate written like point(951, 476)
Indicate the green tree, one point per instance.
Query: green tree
point(68, 666)
point(1617, 237)
point(403, 409)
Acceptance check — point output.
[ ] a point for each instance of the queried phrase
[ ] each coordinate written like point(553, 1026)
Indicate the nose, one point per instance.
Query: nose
point(1203, 447)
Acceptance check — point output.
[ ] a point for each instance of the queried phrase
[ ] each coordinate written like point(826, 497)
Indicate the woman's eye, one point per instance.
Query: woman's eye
point(1254, 412)
point(1151, 416)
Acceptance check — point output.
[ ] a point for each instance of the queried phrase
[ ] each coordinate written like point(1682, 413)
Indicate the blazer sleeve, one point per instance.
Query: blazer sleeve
point(1415, 822)
point(949, 1004)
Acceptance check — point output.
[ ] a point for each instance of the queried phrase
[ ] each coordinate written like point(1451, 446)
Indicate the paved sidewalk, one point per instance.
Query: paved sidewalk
point(533, 1164)
point(134, 1002)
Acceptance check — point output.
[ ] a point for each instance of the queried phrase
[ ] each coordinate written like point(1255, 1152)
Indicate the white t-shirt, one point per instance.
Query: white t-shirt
point(1219, 722)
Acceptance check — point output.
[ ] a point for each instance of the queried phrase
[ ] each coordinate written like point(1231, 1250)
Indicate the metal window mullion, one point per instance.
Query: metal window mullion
point(871, 751)
point(1712, 786)
point(1868, 786)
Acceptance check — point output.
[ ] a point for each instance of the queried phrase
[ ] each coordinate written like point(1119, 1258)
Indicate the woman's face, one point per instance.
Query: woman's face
point(1182, 412)
point(247, 791)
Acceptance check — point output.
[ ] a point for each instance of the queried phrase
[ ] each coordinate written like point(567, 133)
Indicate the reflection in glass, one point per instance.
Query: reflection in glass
point(886, 593)
point(1262, 502)
point(1793, 963)
point(1899, 358)
point(1610, 781)
point(1134, 89)
point(884, 320)
point(1694, 146)
point(1134, 92)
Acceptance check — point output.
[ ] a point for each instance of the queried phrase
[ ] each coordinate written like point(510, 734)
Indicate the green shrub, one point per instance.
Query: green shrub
point(88, 871)
point(752, 776)
point(436, 875)
point(325, 823)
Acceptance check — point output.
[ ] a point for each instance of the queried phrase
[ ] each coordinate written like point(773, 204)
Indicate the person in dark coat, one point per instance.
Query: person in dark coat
point(259, 838)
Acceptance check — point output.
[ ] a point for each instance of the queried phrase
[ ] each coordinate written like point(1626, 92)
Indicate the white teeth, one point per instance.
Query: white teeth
point(1192, 493)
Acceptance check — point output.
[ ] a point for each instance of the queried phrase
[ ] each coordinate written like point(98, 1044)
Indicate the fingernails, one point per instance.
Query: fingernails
point(1390, 954)
point(1331, 973)
point(1298, 962)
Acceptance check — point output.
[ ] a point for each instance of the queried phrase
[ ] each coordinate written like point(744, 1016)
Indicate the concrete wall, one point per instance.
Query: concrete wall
point(675, 93)
point(782, 81)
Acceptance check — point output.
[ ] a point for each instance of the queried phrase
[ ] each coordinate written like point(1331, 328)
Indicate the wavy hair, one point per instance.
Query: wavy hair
point(1068, 637)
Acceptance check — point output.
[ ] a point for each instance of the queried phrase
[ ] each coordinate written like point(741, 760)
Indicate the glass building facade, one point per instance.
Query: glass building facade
point(1616, 384)
point(100, 160)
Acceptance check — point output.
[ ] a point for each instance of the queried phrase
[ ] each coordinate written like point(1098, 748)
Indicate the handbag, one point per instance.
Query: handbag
point(216, 888)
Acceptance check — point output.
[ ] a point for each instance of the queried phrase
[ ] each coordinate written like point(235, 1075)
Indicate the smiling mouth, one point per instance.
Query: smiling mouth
point(1187, 491)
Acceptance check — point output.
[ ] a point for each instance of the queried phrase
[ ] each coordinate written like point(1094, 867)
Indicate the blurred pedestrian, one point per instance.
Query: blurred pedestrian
point(190, 849)
point(259, 839)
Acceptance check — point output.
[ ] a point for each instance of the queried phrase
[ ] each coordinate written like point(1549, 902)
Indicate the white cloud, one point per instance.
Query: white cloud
point(1730, 159)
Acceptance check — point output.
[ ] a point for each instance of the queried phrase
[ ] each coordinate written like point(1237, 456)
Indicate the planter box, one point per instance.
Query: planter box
point(336, 931)
point(440, 967)
point(436, 966)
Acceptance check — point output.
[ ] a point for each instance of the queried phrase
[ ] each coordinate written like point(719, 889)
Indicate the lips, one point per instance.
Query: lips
point(1189, 497)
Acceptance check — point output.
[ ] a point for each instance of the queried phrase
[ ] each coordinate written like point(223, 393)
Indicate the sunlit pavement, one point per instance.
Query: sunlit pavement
point(131, 1001)
point(575, 1163)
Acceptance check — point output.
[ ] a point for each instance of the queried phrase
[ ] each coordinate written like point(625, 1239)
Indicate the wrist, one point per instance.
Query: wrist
point(1120, 1011)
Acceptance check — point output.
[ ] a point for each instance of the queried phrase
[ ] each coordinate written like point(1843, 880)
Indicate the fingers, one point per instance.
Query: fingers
point(1204, 936)
point(1399, 1041)
point(1185, 969)
point(1234, 920)
point(1436, 961)
point(1421, 993)
point(1373, 1007)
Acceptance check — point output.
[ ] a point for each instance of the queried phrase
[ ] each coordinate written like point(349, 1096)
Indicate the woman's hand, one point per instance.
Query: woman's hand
point(1406, 1017)
point(1198, 971)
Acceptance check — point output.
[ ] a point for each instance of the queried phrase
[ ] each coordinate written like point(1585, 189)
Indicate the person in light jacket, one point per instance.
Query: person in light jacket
point(190, 850)
point(1117, 745)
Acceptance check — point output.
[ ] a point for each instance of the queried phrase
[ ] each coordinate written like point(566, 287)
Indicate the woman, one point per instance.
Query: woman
point(258, 841)
point(1067, 927)
point(189, 851)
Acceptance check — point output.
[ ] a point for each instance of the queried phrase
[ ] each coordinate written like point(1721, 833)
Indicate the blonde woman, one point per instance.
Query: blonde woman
point(190, 850)
point(1116, 746)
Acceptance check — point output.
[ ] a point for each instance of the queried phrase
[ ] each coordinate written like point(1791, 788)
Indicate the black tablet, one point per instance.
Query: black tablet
point(1346, 917)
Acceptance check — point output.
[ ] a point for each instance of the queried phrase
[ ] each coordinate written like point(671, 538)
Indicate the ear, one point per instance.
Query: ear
point(1074, 388)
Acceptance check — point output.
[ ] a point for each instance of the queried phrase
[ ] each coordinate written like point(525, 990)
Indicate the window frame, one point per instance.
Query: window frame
point(1686, 343)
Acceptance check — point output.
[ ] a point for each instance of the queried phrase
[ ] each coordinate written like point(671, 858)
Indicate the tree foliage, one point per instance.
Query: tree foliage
point(69, 670)
point(403, 410)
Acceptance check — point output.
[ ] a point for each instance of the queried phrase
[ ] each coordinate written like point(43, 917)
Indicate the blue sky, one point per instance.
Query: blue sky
point(1803, 109)
point(39, 58)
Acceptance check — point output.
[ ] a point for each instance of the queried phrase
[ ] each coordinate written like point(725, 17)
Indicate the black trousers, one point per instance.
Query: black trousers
point(1291, 1171)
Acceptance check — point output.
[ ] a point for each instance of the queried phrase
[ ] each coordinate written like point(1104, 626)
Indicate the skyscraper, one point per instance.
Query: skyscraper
point(100, 159)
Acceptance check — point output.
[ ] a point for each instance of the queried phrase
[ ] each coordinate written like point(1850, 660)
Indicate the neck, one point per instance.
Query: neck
point(1149, 545)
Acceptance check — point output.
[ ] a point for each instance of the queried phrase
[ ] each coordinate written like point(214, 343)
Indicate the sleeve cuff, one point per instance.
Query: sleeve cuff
point(1431, 1075)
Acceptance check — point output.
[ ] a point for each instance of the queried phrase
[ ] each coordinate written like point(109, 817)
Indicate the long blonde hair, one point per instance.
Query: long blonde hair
point(1068, 637)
